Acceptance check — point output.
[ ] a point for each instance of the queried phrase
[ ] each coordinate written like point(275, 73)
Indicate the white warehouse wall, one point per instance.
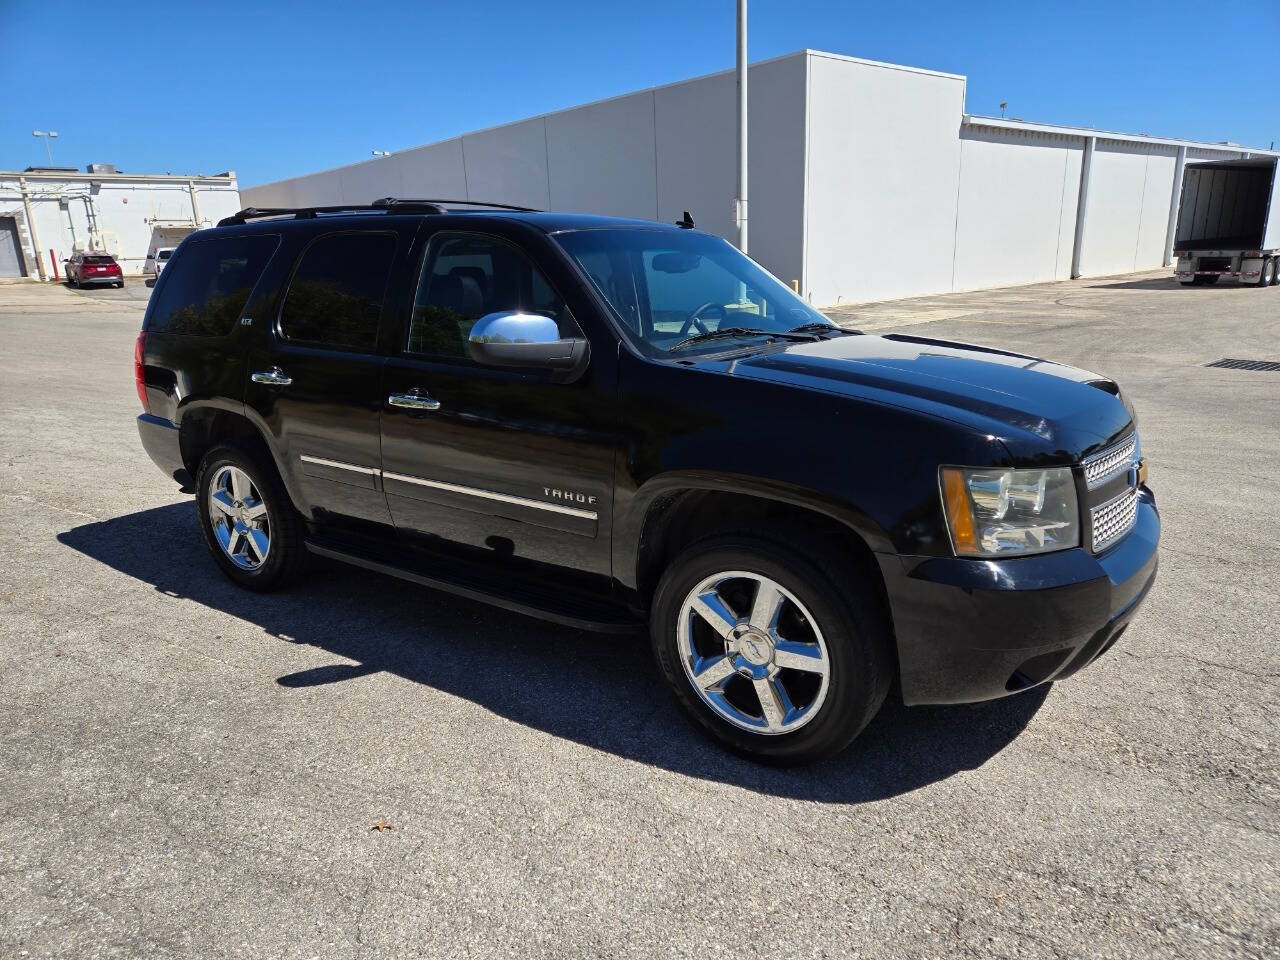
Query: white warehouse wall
point(1127, 216)
point(1016, 208)
point(868, 181)
point(883, 162)
point(652, 155)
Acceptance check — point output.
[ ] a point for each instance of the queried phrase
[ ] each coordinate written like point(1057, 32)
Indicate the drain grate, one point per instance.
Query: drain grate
point(1271, 365)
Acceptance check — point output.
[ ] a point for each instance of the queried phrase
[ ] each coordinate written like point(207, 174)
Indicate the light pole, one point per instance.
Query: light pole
point(740, 205)
point(50, 135)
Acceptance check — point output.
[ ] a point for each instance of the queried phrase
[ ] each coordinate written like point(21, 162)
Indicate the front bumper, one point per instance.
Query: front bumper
point(971, 630)
point(160, 440)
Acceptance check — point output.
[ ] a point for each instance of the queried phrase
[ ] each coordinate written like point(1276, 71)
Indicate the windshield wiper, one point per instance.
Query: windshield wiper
point(723, 332)
point(816, 326)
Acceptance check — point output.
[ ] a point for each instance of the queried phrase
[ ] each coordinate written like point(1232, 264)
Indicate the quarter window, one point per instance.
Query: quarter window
point(466, 277)
point(205, 290)
point(335, 298)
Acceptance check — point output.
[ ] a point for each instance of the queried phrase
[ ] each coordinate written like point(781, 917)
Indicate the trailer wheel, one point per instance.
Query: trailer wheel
point(1264, 273)
point(1275, 271)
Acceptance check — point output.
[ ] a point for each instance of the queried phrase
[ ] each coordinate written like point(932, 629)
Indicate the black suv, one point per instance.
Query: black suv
point(605, 422)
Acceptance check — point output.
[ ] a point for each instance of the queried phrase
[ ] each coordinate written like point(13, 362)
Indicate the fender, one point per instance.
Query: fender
point(632, 510)
point(254, 420)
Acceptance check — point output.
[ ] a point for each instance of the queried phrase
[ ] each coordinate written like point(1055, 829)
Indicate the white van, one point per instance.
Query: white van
point(156, 260)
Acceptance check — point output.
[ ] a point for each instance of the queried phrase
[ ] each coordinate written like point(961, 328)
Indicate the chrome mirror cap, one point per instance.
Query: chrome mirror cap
point(510, 326)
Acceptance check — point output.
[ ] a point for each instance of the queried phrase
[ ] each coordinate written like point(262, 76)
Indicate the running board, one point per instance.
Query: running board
point(605, 620)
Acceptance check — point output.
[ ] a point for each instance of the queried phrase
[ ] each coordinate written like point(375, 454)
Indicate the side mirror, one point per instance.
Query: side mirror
point(527, 340)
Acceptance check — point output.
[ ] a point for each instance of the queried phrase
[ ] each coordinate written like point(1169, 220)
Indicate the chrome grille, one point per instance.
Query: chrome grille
point(1114, 519)
point(1101, 467)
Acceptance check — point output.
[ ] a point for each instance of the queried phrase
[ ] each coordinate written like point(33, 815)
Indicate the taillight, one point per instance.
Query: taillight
point(139, 380)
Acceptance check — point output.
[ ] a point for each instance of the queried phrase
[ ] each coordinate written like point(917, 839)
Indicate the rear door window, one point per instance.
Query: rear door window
point(337, 291)
point(206, 289)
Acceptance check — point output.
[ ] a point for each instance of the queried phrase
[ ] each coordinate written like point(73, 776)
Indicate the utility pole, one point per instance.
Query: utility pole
point(740, 205)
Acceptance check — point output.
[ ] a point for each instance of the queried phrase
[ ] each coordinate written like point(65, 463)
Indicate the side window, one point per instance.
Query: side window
point(335, 297)
point(465, 277)
point(206, 289)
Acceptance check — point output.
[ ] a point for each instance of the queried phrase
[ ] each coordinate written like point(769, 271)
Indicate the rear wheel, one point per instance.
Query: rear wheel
point(766, 652)
point(249, 523)
point(1265, 274)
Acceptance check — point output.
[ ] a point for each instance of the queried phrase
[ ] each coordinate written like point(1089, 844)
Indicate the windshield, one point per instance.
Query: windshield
point(667, 287)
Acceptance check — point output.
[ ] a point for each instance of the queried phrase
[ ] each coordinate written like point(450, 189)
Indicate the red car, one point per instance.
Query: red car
point(87, 267)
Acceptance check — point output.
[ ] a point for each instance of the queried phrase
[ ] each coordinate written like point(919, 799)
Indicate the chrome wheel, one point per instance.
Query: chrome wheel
point(753, 653)
point(239, 518)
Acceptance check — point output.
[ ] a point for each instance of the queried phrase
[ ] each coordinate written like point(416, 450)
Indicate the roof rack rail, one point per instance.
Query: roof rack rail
point(394, 201)
point(308, 213)
point(384, 205)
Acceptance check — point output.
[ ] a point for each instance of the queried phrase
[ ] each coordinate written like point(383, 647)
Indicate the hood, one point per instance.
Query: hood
point(1036, 407)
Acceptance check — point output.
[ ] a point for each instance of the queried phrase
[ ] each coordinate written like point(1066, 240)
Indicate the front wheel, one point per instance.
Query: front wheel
point(767, 652)
point(249, 523)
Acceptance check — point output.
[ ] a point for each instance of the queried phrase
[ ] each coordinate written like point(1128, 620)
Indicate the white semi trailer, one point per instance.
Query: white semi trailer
point(1229, 223)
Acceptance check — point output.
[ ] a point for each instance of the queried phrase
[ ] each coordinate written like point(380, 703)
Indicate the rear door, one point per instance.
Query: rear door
point(314, 380)
point(503, 465)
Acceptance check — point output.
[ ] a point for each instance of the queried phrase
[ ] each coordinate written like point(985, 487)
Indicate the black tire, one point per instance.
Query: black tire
point(843, 604)
point(120, 285)
point(72, 281)
point(287, 556)
point(1264, 275)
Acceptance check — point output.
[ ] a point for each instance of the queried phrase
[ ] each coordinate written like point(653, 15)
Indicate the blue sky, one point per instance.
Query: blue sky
point(275, 90)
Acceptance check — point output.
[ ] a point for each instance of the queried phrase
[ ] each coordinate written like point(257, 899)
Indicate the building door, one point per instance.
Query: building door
point(10, 254)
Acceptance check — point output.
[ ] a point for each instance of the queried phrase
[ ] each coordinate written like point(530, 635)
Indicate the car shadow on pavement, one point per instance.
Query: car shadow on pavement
point(601, 691)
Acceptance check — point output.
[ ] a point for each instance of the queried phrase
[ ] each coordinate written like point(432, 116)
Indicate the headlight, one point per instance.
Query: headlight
point(1004, 513)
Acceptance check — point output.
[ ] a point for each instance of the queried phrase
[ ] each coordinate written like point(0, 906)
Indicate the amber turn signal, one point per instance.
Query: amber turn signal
point(955, 498)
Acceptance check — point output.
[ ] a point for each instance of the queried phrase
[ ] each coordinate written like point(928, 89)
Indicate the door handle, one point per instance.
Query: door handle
point(415, 400)
point(275, 376)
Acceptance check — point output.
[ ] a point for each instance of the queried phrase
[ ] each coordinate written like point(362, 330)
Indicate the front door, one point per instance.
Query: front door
point(487, 462)
point(314, 378)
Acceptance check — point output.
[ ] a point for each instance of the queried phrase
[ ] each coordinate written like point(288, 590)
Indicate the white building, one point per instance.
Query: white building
point(46, 214)
point(868, 180)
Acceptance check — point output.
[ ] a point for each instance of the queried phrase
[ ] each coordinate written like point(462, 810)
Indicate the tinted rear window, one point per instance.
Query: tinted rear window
point(99, 260)
point(204, 292)
point(336, 295)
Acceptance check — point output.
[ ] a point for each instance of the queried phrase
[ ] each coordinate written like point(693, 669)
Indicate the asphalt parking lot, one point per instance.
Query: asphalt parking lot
point(188, 770)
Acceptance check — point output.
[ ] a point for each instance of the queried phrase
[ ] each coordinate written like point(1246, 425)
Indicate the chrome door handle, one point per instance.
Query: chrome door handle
point(275, 376)
point(413, 401)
